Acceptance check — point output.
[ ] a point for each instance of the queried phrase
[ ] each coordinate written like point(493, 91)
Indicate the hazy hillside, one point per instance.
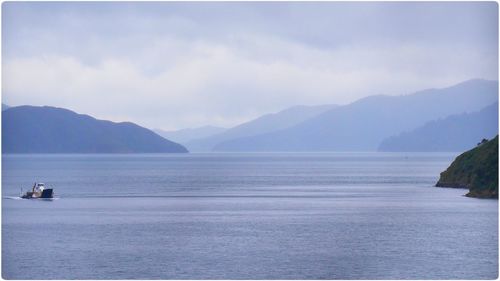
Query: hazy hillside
point(454, 133)
point(476, 169)
point(30, 129)
point(362, 125)
point(185, 135)
point(263, 124)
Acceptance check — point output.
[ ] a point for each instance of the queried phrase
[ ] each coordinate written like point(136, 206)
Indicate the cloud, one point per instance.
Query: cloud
point(223, 84)
point(171, 65)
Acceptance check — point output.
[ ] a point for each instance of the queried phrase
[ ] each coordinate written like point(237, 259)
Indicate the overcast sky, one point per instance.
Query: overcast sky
point(177, 65)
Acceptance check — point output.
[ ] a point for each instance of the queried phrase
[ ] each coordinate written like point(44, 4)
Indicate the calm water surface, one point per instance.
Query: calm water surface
point(244, 216)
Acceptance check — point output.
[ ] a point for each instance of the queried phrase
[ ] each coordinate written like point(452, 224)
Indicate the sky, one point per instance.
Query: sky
point(173, 65)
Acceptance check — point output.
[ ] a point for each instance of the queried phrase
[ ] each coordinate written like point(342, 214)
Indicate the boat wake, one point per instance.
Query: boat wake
point(42, 199)
point(13, 197)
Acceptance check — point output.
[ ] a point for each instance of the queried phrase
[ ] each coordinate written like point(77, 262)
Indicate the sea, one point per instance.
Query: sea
point(243, 216)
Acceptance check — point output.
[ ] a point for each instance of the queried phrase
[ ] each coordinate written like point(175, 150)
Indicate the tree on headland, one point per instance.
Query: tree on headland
point(483, 141)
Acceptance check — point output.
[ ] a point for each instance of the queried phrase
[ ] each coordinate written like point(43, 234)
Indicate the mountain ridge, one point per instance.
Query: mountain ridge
point(265, 123)
point(454, 133)
point(34, 129)
point(188, 134)
point(363, 124)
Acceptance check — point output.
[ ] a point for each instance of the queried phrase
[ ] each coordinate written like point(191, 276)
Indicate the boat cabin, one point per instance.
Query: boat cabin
point(38, 187)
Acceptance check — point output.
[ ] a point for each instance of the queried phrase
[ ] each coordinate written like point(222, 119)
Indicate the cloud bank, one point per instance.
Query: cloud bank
point(171, 65)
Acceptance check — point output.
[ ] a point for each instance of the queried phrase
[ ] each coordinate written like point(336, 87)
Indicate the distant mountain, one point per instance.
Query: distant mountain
point(454, 133)
point(31, 129)
point(185, 135)
point(362, 125)
point(4, 106)
point(263, 124)
point(476, 169)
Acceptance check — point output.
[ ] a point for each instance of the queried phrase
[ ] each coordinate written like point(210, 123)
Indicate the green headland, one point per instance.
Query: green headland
point(476, 170)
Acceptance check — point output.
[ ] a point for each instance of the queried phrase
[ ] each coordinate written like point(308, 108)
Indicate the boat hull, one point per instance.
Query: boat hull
point(46, 194)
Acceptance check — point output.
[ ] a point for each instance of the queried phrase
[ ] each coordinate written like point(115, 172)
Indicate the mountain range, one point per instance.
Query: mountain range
point(364, 124)
point(264, 124)
point(186, 135)
point(33, 129)
point(455, 133)
point(448, 119)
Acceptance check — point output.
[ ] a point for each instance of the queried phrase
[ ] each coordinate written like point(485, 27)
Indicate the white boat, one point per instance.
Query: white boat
point(38, 191)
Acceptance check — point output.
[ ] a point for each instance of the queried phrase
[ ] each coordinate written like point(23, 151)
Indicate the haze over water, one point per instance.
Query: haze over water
point(244, 216)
